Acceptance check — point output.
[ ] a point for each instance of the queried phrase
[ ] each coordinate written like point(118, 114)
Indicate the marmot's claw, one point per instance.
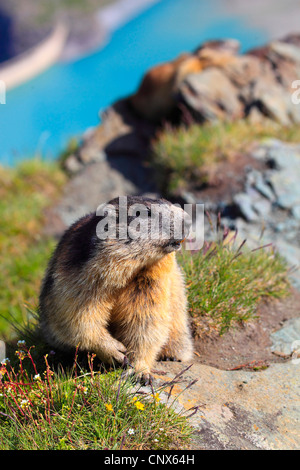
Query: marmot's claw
point(171, 358)
point(146, 379)
point(126, 363)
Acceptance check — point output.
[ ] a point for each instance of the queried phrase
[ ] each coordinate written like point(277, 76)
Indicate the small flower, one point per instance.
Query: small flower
point(5, 361)
point(155, 440)
point(156, 397)
point(85, 390)
point(139, 405)
point(21, 343)
point(20, 354)
point(109, 407)
point(24, 403)
point(37, 377)
point(130, 431)
point(134, 399)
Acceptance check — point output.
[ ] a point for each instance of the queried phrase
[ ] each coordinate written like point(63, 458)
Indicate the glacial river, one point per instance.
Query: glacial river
point(43, 114)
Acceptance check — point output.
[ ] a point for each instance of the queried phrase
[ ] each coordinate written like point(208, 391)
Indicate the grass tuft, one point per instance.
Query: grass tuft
point(185, 156)
point(25, 192)
point(226, 281)
point(82, 409)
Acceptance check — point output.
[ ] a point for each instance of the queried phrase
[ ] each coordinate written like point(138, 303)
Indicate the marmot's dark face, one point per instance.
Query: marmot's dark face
point(138, 227)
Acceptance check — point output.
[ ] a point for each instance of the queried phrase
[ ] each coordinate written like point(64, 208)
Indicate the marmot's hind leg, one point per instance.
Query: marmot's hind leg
point(179, 346)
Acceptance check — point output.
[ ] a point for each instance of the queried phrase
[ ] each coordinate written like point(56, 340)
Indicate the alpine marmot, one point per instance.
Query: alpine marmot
point(116, 289)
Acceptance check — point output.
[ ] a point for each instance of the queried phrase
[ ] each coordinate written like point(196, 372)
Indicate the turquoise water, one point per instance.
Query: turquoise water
point(43, 114)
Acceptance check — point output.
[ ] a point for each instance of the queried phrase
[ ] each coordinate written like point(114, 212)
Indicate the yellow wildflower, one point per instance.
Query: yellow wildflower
point(139, 405)
point(108, 407)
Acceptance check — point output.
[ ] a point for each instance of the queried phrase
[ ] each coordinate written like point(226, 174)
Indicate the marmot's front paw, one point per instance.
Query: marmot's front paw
point(113, 351)
point(170, 358)
point(145, 378)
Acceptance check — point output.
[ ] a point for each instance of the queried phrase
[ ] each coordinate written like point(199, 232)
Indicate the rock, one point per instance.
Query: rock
point(285, 182)
point(284, 175)
point(286, 50)
point(256, 180)
point(211, 96)
point(274, 101)
point(225, 46)
point(2, 351)
point(262, 207)
point(72, 164)
point(285, 339)
point(282, 154)
point(212, 83)
point(244, 71)
point(245, 205)
point(97, 183)
point(238, 409)
point(257, 83)
point(121, 133)
point(156, 97)
point(296, 212)
point(283, 186)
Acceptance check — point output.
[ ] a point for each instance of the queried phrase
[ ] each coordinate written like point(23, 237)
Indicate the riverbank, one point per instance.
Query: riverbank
point(22, 68)
point(276, 18)
point(68, 41)
point(97, 30)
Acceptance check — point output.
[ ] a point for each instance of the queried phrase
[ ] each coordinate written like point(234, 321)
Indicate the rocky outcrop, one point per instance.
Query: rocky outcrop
point(267, 210)
point(238, 410)
point(216, 83)
point(213, 83)
point(110, 162)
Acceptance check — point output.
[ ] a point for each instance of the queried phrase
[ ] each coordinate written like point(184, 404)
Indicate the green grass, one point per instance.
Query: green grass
point(77, 407)
point(226, 282)
point(65, 408)
point(83, 409)
point(25, 192)
point(186, 156)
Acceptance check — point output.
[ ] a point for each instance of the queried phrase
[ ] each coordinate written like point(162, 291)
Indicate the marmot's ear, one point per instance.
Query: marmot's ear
point(80, 244)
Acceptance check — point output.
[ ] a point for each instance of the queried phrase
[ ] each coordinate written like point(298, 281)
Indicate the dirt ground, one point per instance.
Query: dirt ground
point(247, 346)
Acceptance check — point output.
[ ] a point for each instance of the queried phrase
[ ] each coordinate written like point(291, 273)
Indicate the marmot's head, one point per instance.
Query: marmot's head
point(125, 231)
point(141, 228)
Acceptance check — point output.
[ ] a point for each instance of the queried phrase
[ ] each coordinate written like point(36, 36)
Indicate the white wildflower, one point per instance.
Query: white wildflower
point(130, 431)
point(24, 403)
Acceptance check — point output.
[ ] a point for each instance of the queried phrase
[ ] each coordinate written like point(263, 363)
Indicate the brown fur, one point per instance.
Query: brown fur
point(117, 297)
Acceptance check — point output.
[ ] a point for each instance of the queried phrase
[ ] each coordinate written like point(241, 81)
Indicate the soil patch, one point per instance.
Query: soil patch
point(227, 178)
point(247, 346)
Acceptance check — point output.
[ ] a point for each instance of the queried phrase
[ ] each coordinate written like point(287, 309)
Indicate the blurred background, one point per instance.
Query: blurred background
point(96, 51)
